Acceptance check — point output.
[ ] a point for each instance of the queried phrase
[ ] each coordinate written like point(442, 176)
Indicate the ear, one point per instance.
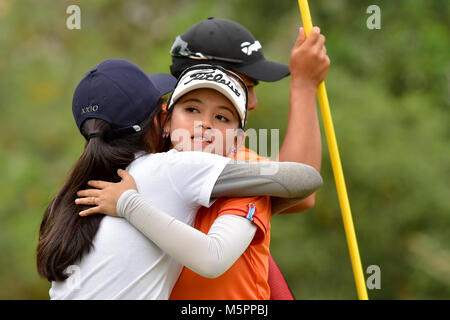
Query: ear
point(162, 119)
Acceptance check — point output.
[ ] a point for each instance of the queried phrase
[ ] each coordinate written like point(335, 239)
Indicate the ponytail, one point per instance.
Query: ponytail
point(64, 236)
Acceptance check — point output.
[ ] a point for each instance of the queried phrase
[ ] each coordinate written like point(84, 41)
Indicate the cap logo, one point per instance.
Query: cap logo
point(248, 48)
point(214, 77)
point(89, 108)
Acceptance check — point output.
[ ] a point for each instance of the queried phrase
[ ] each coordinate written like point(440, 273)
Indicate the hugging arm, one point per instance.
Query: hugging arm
point(212, 254)
point(209, 255)
point(288, 183)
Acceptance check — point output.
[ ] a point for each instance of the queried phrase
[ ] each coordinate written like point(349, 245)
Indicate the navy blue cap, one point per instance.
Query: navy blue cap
point(119, 92)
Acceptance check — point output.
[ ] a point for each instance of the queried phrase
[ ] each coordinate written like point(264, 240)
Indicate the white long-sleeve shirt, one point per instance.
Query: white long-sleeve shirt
point(123, 263)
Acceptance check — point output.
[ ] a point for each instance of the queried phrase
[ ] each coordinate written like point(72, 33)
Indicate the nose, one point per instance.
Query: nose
point(252, 100)
point(204, 123)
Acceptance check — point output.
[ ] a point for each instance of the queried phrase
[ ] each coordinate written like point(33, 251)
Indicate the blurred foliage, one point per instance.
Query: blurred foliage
point(389, 94)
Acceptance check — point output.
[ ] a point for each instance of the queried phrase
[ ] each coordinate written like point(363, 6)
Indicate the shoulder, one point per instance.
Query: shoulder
point(245, 154)
point(173, 156)
point(194, 157)
point(142, 158)
point(261, 203)
point(255, 209)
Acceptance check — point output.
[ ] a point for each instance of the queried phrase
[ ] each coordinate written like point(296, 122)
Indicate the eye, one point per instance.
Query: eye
point(222, 118)
point(191, 109)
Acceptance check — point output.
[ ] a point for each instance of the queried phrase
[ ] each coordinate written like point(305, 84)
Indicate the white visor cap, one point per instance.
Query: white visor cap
point(217, 78)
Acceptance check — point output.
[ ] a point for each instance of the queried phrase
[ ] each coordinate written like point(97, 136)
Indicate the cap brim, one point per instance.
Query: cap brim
point(240, 109)
point(163, 82)
point(264, 70)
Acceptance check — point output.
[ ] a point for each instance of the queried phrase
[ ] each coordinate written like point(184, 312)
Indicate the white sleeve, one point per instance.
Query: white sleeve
point(208, 255)
point(193, 175)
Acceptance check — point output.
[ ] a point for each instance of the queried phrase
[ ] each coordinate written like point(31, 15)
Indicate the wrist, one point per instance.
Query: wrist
point(299, 83)
point(123, 201)
point(304, 88)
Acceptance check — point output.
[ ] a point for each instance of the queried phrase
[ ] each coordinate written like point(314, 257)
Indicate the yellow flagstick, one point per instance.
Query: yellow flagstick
point(337, 170)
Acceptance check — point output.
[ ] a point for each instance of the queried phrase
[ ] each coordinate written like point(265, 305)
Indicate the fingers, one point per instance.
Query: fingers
point(89, 201)
point(127, 179)
point(302, 33)
point(317, 43)
point(314, 43)
point(301, 37)
point(123, 174)
point(309, 62)
point(321, 41)
point(90, 211)
point(313, 35)
point(99, 184)
point(89, 193)
point(99, 206)
point(315, 38)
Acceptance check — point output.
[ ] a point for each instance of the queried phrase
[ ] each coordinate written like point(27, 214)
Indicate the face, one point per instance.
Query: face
point(250, 83)
point(204, 120)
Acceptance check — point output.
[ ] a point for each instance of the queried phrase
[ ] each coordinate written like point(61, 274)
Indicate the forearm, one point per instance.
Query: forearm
point(277, 179)
point(209, 255)
point(302, 142)
point(287, 206)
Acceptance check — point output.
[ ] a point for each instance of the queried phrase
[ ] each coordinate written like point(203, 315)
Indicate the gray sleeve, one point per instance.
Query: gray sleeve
point(277, 179)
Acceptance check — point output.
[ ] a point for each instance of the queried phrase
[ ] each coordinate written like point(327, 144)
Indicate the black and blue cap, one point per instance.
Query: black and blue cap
point(121, 93)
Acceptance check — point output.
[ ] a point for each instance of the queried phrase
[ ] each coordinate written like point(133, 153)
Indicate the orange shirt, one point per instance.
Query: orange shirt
point(247, 277)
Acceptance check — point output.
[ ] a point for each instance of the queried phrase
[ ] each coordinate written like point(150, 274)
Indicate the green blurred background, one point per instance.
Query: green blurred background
point(389, 95)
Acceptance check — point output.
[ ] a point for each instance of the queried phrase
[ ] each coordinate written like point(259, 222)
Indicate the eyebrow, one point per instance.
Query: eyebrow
point(191, 100)
point(226, 108)
point(200, 101)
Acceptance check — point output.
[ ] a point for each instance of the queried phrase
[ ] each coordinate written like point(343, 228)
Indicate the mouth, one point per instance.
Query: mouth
point(204, 140)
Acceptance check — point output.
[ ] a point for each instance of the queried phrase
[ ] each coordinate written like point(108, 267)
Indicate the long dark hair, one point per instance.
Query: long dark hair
point(64, 236)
